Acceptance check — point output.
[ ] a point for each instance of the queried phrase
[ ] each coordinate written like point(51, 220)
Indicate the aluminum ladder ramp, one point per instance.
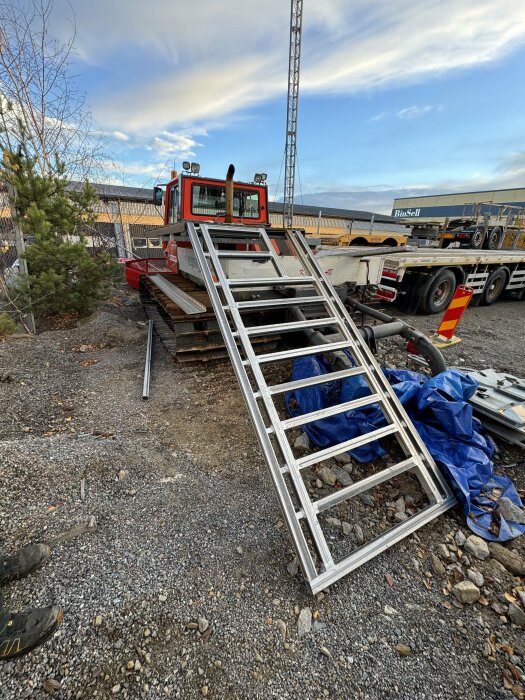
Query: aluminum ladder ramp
point(317, 561)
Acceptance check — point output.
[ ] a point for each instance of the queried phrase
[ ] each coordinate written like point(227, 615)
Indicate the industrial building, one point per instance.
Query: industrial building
point(126, 218)
point(446, 208)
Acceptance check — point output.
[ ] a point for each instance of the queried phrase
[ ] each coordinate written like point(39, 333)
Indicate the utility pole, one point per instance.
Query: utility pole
point(290, 153)
point(28, 319)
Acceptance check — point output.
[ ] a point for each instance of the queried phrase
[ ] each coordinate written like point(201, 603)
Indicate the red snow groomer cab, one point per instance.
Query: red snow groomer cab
point(191, 198)
point(188, 197)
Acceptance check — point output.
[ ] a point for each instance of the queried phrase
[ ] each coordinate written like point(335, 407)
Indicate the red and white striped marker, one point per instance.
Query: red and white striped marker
point(455, 310)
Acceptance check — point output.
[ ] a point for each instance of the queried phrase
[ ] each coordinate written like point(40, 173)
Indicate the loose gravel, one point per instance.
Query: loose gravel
point(187, 587)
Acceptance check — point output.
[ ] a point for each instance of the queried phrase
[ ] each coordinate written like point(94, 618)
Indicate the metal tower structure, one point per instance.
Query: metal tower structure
point(296, 20)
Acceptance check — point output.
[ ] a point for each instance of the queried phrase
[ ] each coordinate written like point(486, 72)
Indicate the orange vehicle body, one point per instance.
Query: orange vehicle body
point(194, 198)
point(191, 198)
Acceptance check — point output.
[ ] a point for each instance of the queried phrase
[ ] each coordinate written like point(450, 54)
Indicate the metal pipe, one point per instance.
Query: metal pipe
point(228, 217)
point(369, 311)
point(147, 366)
point(420, 341)
point(387, 330)
point(390, 327)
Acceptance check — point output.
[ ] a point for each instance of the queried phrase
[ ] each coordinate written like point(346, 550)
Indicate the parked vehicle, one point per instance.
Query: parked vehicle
point(474, 237)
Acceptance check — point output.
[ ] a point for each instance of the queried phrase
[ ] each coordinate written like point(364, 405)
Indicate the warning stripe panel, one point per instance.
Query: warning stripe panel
point(459, 303)
point(447, 325)
point(455, 313)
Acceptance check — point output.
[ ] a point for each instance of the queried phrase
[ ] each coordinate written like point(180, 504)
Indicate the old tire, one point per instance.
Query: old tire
point(476, 240)
point(494, 286)
point(440, 292)
point(494, 238)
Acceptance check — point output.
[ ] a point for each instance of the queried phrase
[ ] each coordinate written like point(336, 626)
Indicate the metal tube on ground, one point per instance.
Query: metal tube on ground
point(147, 366)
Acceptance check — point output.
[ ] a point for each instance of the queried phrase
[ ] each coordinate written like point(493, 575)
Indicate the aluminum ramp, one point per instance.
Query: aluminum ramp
point(320, 567)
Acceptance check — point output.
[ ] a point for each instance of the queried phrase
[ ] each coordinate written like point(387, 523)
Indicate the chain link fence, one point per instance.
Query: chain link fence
point(119, 229)
point(8, 257)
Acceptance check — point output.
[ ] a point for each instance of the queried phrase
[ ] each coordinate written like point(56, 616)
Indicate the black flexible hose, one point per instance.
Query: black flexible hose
point(421, 342)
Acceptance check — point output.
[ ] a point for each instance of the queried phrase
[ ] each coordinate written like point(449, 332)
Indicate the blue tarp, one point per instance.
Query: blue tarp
point(439, 409)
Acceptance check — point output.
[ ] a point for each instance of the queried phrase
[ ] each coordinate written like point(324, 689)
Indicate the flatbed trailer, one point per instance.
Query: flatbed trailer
point(428, 279)
point(424, 279)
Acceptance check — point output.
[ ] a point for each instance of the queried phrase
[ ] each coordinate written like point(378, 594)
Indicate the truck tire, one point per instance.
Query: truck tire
point(439, 293)
point(494, 286)
point(494, 238)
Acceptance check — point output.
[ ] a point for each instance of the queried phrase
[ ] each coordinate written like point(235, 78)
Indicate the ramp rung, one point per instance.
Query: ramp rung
point(248, 254)
point(298, 384)
point(278, 303)
point(331, 411)
point(364, 485)
point(269, 281)
point(291, 326)
point(302, 352)
point(345, 446)
point(371, 549)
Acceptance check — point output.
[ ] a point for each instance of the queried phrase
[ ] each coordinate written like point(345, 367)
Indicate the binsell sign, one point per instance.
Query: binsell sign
point(403, 213)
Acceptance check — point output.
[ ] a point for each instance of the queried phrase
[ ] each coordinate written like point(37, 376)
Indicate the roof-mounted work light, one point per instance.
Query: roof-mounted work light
point(264, 177)
point(186, 165)
point(257, 178)
point(195, 168)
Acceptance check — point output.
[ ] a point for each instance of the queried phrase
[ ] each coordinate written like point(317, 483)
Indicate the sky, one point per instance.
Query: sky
point(396, 98)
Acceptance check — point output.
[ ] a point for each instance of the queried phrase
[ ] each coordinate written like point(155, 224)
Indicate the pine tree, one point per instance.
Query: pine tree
point(62, 276)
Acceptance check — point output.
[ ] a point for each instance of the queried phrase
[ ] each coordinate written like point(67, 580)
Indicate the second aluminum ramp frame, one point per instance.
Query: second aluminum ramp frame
point(179, 297)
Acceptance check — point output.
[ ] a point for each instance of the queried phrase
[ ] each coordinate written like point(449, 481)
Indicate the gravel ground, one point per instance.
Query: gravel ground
point(182, 590)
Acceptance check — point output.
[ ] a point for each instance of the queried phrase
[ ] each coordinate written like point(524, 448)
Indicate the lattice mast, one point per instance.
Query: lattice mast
point(296, 20)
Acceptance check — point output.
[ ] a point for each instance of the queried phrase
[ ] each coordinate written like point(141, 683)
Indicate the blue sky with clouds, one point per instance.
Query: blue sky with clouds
point(396, 97)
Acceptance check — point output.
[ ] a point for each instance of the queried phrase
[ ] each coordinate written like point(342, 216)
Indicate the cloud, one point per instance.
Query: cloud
point(173, 145)
point(203, 92)
point(412, 112)
point(398, 43)
point(119, 136)
point(379, 117)
point(509, 173)
point(132, 174)
point(207, 60)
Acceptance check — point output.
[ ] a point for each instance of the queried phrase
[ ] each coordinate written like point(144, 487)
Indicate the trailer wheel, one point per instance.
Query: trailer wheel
point(494, 238)
point(494, 286)
point(440, 292)
point(476, 239)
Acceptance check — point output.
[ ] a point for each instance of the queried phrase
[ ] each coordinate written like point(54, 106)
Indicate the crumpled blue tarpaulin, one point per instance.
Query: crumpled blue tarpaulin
point(439, 409)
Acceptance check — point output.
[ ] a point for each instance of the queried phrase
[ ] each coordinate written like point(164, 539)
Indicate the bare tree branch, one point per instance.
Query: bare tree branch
point(40, 104)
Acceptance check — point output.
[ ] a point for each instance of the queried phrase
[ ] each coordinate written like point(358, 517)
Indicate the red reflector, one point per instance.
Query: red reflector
point(390, 274)
point(386, 293)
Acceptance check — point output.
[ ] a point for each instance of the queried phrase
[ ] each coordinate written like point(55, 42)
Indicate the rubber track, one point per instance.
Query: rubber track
point(176, 330)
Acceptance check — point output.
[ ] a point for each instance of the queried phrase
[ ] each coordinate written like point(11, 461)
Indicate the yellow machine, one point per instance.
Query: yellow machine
point(361, 234)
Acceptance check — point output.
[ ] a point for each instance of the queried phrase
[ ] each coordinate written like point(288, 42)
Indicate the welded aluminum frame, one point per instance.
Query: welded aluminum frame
point(418, 460)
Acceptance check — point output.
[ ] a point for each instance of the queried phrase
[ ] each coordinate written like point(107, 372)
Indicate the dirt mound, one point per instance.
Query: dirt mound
point(106, 328)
